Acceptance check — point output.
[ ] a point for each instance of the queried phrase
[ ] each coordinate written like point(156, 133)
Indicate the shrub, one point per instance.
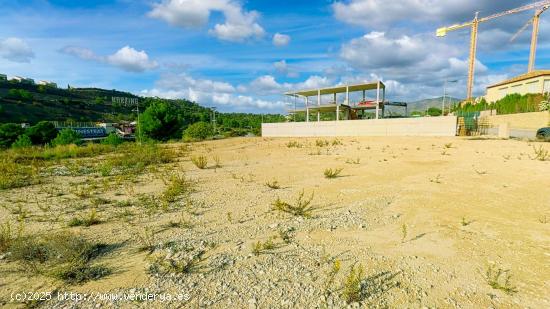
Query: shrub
point(332, 173)
point(260, 247)
point(9, 132)
point(321, 143)
point(200, 161)
point(89, 220)
point(8, 236)
point(499, 279)
point(198, 131)
point(14, 175)
point(301, 208)
point(67, 137)
point(135, 158)
point(510, 104)
point(274, 184)
point(178, 186)
point(353, 291)
point(434, 111)
point(20, 94)
point(42, 133)
point(293, 144)
point(23, 141)
point(63, 256)
point(113, 140)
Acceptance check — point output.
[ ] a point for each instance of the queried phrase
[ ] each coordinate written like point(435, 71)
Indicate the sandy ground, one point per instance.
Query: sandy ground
point(426, 217)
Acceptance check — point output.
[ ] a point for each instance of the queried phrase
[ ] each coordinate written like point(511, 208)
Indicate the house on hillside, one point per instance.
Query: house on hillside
point(23, 80)
point(533, 82)
point(47, 84)
point(3, 78)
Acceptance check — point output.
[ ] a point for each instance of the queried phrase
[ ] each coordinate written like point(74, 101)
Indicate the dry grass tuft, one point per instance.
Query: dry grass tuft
point(540, 154)
point(332, 173)
point(274, 184)
point(178, 185)
point(301, 208)
point(499, 279)
point(88, 220)
point(200, 161)
point(63, 256)
point(352, 290)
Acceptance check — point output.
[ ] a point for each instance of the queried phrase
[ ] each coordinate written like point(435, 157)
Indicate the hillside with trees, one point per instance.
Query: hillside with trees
point(162, 119)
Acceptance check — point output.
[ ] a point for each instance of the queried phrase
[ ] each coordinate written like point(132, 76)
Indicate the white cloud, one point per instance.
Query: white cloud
point(239, 24)
point(183, 80)
point(376, 50)
point(268, 85)
point(132, 60)
point(81, 52)
point(16, 50)
point(208, 92)
point(185, 13)
point(280, 40)
point(282, 67)
point(126, 58)
point(369, 13)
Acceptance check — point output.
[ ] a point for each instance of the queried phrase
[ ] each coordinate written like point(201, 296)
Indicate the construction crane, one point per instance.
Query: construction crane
point(474, 24)
point(534, 36)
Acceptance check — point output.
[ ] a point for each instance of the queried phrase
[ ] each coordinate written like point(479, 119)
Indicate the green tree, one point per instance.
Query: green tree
point(113, 140)
point(23, 141)
point(160, 121)
point(98, 100)
point(198, 131)
point(434, 111)
point(42, 133)
point(9, 132)
point(67, 137)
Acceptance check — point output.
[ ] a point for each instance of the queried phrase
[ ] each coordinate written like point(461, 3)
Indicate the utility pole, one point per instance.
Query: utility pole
point(445, 95)
point(138, 122)
point(214, 118)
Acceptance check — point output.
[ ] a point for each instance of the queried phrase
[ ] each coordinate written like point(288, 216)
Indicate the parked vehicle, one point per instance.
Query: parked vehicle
point(544, 133)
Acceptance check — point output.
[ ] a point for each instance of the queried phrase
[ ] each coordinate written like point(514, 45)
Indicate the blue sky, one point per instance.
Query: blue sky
point(241, 55)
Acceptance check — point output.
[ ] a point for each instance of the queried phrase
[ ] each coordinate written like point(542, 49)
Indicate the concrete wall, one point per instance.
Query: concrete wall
point(521, 121)
point(428, 126)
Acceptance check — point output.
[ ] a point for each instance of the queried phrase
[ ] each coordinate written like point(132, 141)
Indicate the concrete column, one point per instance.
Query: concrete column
point(318, 105)
point(377, 99)
point(307, 109)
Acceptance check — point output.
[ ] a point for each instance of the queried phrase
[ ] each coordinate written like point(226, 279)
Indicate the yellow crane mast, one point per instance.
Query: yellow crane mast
point(534, 36)
point(474, 24)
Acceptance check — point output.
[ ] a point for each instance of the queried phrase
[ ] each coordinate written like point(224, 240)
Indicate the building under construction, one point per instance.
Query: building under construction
point(346, 102)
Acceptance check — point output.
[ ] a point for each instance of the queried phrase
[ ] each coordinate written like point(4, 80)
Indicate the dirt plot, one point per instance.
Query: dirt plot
point(367, 222)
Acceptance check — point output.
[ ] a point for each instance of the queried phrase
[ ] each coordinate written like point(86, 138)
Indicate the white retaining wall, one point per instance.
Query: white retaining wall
point(426, 126)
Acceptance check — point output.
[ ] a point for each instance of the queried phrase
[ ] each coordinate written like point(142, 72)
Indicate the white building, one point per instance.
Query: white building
point(533, 82)
point(47, 83)
point(23, 80)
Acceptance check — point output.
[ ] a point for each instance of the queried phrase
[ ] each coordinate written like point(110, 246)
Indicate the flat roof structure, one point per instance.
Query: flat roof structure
point(522, 77)
point(352, 110)
point(338, 89)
